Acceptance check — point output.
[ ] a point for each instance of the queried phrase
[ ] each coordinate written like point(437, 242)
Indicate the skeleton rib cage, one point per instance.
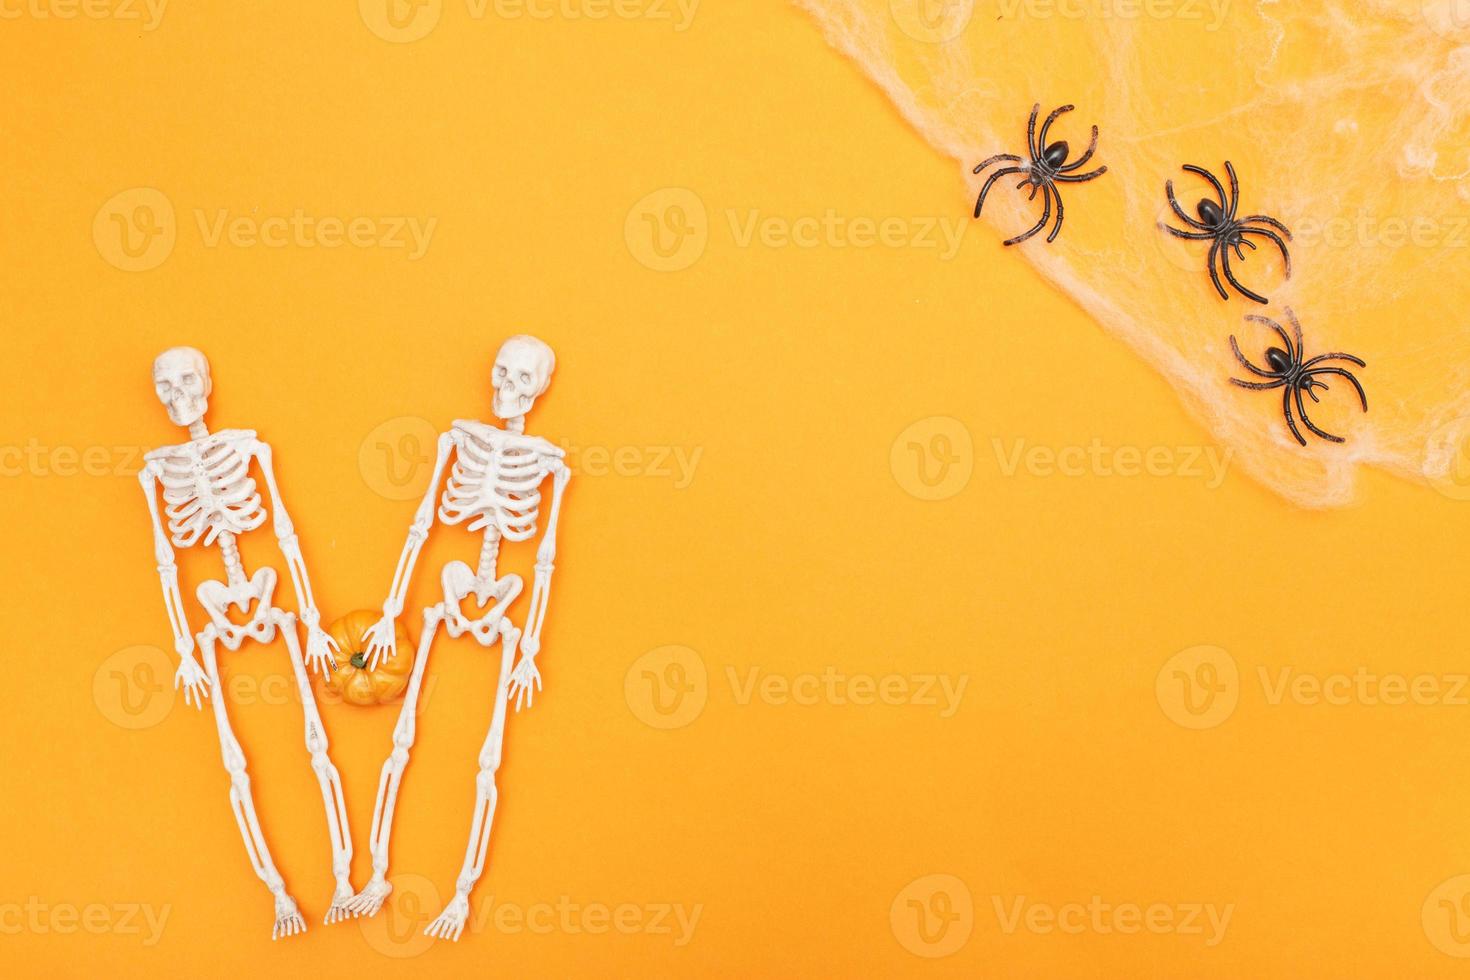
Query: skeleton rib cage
point(207, 488)
point(495, 480)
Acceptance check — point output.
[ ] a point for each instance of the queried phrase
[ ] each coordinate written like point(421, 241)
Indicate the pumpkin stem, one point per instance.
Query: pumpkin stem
point(359, 660)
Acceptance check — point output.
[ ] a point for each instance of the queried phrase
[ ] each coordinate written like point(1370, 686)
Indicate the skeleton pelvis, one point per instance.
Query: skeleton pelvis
point(492, 596)
point(218, 597)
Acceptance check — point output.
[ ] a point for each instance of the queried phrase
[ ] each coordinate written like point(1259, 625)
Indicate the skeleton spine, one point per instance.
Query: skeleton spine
point(231, 554)
point(489, 553)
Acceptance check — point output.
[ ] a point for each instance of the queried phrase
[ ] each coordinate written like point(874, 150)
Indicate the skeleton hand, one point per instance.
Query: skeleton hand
point(525, 681)
point(450, 922)
point(339, 911)
point(370, 899)
point(193, 679)
point(319, 649)
point(380, 641)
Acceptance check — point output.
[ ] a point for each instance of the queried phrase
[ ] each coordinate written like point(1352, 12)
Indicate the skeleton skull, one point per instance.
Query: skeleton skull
point(181, 379)
point(521, 373)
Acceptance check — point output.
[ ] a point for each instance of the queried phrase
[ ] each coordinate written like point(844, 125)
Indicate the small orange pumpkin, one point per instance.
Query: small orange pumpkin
point(351, 678)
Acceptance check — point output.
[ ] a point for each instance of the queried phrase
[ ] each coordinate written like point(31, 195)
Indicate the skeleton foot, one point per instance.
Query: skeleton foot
point(288, 918)
point(370, 899)
point(451, 921)
point(339, 909)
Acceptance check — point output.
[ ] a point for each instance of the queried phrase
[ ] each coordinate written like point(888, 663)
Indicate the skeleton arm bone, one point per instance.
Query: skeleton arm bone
point(526, 678)
point(380, 639)
point(319, 645)
point(190, 675)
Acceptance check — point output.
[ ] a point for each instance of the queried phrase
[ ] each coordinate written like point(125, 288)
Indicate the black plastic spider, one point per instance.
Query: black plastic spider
point(1046, 168)
point(1218, 222)
point(1288, 369)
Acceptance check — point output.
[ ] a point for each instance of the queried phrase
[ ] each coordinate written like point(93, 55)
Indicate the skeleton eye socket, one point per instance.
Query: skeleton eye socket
point(525, 378)
point(188, 379)
point(500, 370)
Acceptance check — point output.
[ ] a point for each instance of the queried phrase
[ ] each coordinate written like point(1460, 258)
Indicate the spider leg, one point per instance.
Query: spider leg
point(1078, 163)
point(1031, 132)
point(1268, 220)
point(1302, 410)
point(1045, 217)
point(994, 159)
point(1244, 241)
point(1034, 188)
point(1296, 327)
point(1258, 387)
point(985, 188)
point(1294, 353)
point(1245, 361)
point(1214, 182)
point(1230, 277)
point(1308, 389)
point(1290, 422)
point(1285, 255)
point(1056, 230)
point(1327, 357)
point(1214, 276)
point(1174, 203)
point(1234, 191)
point(1194, 236)
point(1079, 178)
point(1362, 396)
point(1041, 140)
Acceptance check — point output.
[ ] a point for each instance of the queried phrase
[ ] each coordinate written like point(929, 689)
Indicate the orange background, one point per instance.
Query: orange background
point(545, 151)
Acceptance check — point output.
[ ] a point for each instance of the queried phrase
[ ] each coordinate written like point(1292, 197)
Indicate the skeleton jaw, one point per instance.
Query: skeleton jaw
point(186, 411)
point(508, 404)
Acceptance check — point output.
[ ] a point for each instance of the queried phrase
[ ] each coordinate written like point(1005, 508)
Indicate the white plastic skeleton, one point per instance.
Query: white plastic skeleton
point(209, 497)
point(494, 487)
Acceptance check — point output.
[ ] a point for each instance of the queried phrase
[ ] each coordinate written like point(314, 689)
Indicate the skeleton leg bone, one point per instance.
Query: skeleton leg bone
point(450, 922)
point(326, 772)
point(288, 916)
point(370, 899)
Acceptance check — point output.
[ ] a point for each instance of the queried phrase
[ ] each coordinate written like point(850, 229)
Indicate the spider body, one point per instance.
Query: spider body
point(1217, 223)
point(1296, 376)
point(1044, 167)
